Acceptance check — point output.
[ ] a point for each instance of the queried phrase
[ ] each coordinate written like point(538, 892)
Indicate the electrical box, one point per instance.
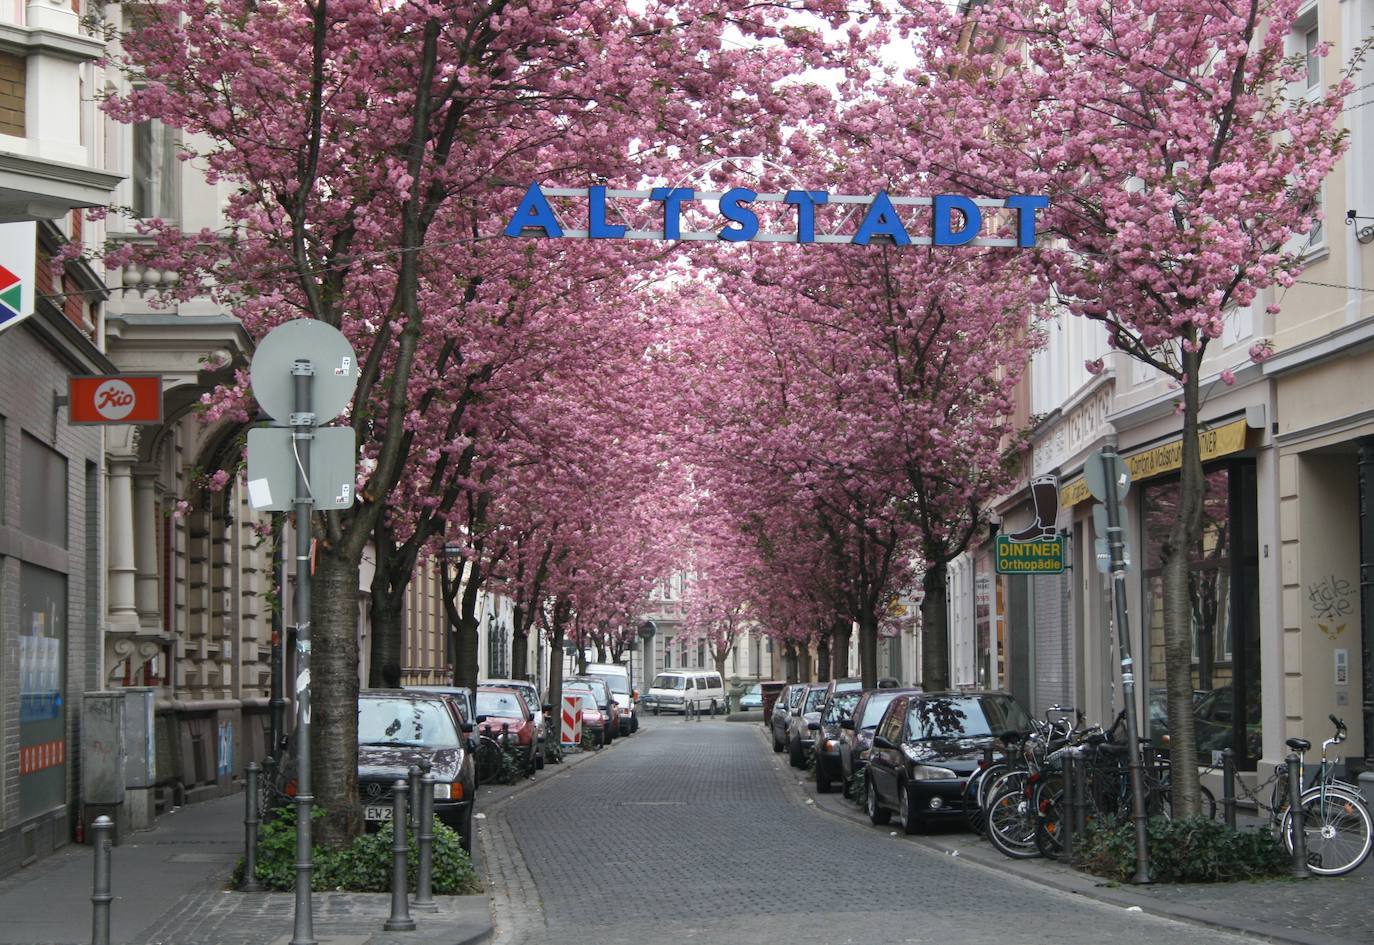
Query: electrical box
point(103, 754)
point(140, 763)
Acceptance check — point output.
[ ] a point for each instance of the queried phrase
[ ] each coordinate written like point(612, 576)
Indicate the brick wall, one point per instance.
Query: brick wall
point(11, 95)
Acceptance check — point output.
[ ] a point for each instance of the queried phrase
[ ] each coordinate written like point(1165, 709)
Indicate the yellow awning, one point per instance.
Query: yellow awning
point(1157, 460)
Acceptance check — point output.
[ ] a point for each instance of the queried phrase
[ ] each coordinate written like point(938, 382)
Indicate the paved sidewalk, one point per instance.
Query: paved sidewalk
point(1320, 911)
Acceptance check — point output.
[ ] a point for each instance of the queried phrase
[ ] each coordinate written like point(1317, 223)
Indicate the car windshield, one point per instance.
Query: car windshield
point(754, 690)
point(843, 706)
point(813, 700)
point(668, 682)
point(503, 704)
point(595, 693)
point(588, 701)
point(874, 708)
point(619, 684)
point(413, 722)
point(943, 718)
point(794, 696)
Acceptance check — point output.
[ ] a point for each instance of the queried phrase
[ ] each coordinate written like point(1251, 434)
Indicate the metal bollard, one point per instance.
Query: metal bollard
point(250, 831)
point(987, 756)
point(1228, 787)
point(100, 892)
point(424, 839)
point(414, 774)
point(399, 920)
point(1297, 828)
point(1069, 802)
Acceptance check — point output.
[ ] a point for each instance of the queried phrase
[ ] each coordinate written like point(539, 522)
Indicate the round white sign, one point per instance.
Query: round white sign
point(114, 400)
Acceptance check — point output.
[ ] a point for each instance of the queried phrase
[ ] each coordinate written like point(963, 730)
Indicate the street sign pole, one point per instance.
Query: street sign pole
point(302, 423)
point(1113, 472)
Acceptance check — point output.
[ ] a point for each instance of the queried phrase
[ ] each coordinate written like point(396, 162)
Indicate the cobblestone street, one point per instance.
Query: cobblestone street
point(691, 833)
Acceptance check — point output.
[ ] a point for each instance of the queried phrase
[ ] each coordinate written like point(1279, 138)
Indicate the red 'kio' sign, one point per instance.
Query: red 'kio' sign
point(122, 398)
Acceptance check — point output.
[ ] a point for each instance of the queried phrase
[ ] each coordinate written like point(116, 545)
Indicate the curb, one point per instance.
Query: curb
point(1065, 880)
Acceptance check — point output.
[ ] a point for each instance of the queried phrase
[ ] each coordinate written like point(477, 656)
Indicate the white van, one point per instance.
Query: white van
point(678, 690)
point(618, 678)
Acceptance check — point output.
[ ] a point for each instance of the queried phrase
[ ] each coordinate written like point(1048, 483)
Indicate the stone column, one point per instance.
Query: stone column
point(146, 525)
point(123, 610)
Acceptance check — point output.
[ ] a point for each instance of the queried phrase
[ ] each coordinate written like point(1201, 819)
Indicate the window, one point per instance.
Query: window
point(1310, 41)
point(42, 636)
point(734, 661)
point(1223, 589)
point(668, 655)
point(154, 176)
point(43, 490)
point(701, 653)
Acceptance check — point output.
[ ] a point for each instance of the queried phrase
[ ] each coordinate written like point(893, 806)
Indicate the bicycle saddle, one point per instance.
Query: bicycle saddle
point(1298, 744)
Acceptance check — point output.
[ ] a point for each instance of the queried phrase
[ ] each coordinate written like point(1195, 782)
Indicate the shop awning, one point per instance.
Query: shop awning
point(1157, 460)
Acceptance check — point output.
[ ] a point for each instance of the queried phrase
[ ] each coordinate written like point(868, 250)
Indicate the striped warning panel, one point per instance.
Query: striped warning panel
point(35, 758)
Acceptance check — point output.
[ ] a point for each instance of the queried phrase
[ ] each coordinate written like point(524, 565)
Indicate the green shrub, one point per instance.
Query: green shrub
point(854, 789)
point(553, 751)
point(1196, 850)
point(362, 866)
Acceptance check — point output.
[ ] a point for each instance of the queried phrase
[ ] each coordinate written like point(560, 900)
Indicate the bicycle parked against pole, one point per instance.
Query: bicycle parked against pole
point(1336, 818)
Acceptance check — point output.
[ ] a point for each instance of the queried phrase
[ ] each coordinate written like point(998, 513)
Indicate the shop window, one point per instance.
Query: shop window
point(42, 680)
point(1223, 597)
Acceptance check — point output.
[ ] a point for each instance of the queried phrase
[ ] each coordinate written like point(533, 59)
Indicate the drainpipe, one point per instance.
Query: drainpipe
point(1367, 594)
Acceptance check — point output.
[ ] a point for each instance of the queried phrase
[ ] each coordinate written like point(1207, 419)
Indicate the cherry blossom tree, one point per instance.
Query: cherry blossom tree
point(1183, 160)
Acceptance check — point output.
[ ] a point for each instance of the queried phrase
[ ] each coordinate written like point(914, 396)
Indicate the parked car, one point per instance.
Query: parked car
point(837, 704)
point(542, 712)
point(856, 733)
point(801, 737)
point(505, 715)
point(782, 711)
point(605, 700)
point(397, 729)
point(677, 690)
point(627, 698)
point(925, 748)
point(752, 700)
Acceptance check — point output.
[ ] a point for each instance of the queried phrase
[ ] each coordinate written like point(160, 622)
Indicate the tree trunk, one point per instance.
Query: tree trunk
point(384, 668)
point(600, 651)
point(555, 691)
point(789, 661)
point(334, 699)
point(720, 664)
point(823, 658)
point(466, 665)
point(582, 661)
point(840, 633)
point(804, 661)
point(935, 674)
point(1178, 610)
point(868, 648)
point(519, 650)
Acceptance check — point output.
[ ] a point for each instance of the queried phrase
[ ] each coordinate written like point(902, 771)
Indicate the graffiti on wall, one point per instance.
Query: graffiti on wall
point(1332, 600)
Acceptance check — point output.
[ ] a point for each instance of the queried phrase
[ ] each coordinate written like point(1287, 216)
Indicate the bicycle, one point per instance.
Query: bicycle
point(1336, 820)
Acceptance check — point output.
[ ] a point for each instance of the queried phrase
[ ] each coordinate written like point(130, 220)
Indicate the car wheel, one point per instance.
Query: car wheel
point(634, 724)
point(876, 812)
point(796, 757)
point(909, 822)
point(823, 783)
point(655, 710)
point(778, 746)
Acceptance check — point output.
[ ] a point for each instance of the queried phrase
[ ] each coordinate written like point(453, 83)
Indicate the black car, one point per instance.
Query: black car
point(397, 729)
point(782, 710)
point(925, 748)
point(856, 732)
point(801, 737)
point(836, 707)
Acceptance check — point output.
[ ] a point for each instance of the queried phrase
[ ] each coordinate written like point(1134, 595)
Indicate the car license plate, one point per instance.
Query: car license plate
point(377, 812)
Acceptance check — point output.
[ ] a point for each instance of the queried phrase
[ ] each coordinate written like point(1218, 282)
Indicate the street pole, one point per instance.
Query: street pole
point(1115, 541)
point(277, 703)
point(302, 432)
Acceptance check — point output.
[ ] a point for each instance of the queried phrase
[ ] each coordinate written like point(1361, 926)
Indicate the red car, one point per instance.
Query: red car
point(504, 715)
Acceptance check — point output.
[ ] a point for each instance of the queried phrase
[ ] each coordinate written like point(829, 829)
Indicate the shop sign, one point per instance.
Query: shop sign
point(18, 256)
point(1041, 556)
point(881, 215)
point(120, 398)
point(1156, 461)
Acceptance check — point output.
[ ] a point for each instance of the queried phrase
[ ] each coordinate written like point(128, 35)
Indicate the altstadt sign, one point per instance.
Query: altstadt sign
point(881, 216)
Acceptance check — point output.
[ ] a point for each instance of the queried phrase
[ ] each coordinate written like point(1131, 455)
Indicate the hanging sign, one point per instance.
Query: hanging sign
point(862, 219)
point(18, 248)
point(120, 398)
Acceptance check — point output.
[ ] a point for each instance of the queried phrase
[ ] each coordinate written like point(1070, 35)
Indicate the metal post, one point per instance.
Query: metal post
point(399, 920)
point(415, 793)
point(1297, 827)
point(424, 837)
point(277, 702)
point(1111, 465)
point(250, 831)
point(1080, 796)
point(100, 892)
point(1366, 462)
point(302, 432)
point(1228, 787)
point(987, 756)
point(1069, 802)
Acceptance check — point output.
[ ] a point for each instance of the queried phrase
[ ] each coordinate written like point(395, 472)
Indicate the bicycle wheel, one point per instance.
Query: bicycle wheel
point(1050, 813)
point(488, 760)
point(1011, 817)
point(1338, 829)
